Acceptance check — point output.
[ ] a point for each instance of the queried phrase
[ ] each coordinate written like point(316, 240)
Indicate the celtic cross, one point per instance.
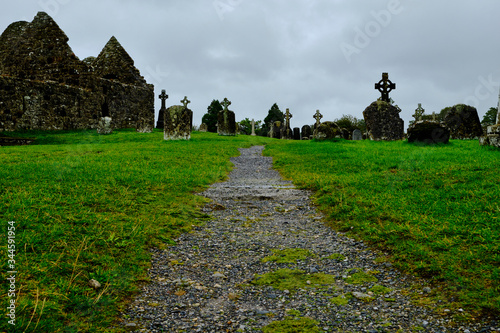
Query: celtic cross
point(185, 102)
point(288, 116)
point(163, 98)
point(225, 103)
point(318, 117)
point(419, 112)
point(385, 86)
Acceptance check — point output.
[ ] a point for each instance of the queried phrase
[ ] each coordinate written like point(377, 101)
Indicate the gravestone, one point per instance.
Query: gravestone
point(492, 137)
point(276, 130)
point(160, 124)
point(306, 132)
point(287, 130)
point(226, 120)
point(345, 134)
point(253, 128)
point(463, 122)
point(104, 126)
point(318, 116)
point(385, 86)
point(178, 122)
point(419, 112)
point(357, 135)
point(144, 126)
point(327, 130)
point(383, 121)
point(427, 131)
point(296, 133)
point(203, 128)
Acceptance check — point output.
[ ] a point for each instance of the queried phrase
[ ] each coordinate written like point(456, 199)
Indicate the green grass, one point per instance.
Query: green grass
point(435, 208)
point(89, 207)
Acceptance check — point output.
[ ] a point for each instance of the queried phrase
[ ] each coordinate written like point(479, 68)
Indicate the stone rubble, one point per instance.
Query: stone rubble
point(204, 282)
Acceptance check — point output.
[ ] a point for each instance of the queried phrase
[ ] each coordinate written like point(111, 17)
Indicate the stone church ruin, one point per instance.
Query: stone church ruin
point(44, 86)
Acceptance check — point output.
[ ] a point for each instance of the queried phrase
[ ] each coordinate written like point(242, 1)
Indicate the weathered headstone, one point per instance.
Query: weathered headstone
point(160, 124)
point(276, 130)
point(427, 131)
point(144, 126)
point(203, 128)
point(253, 128)
point(327, 130)
point(104, 126)
point(306, 132)
point(345, 134)
point(296, 133)
point(226, 120)
point(463, 122)
point(383, 121)
point(492, 137)
point(357, 135)
point(385, 86)
point(178, 122)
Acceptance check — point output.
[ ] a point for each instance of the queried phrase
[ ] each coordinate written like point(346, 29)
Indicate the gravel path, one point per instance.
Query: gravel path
point(205, 282)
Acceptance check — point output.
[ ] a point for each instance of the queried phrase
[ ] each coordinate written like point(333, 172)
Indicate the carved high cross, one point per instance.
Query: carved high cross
point(288, 116)
point(385, 86)
point(163, 98)
point(185, 102)
point(225, 103)
point(318, 117)
point(419, 112)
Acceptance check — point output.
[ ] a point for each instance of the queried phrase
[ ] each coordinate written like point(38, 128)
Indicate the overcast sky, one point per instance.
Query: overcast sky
point(303, 55)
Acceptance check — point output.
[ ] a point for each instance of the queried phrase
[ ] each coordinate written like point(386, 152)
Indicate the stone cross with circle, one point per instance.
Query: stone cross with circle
point(385, 86)
point(318, 117)
point(185, 102)
point(225, 103)
point(163, 98)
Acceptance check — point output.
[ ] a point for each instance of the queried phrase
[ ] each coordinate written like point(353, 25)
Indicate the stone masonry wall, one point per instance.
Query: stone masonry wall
point(44, 86)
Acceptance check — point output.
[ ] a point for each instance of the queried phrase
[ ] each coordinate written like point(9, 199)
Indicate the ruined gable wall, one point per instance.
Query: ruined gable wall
point(44, 86)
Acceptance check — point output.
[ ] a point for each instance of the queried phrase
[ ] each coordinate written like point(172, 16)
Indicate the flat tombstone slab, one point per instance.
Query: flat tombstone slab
point(357, 135)
point(178, 123)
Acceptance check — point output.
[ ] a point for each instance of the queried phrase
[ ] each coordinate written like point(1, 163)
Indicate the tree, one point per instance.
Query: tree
point(490, 118)
point(273, 115)
point(211, 117)
point(246, 126)
point(351, 123)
